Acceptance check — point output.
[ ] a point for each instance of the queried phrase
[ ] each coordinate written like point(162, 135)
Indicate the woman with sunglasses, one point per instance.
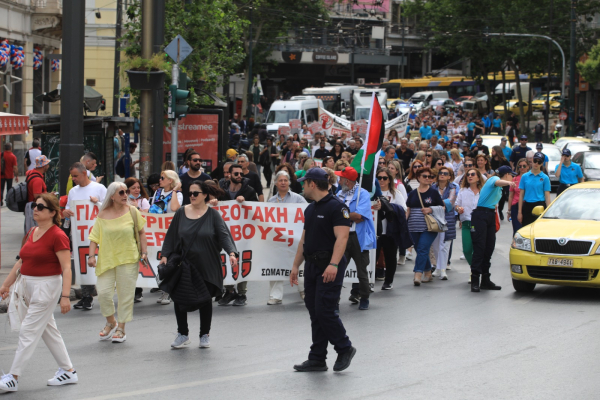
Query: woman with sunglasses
point(386, 242)
point(411, 180)
point(44, 257)
point(466, 202)
point(168, 198)
point(514, 194)
point(534, 190)
point(441, 246)
point(417, 226)
point(137, 194)
point(118, 258)
point(200, 233)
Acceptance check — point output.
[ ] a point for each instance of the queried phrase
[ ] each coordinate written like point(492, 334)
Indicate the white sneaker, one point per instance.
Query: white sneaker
point(443, 275)
point(8, 383)
point(180, 341)
point(463, 257)
point(204, 341)
point(435, 272)
point(62, 377)
point(273, 302)
point(448, 267)
point(164, 299)
point(401, 260)
point(409, 256)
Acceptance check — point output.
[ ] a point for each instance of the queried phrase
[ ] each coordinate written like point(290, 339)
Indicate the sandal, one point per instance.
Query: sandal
point(119, 336)
point(417, 278)
point(108, 331)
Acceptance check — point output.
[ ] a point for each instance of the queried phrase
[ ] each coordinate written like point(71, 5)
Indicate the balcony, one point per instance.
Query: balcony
point(53, 7)
point(46, 17)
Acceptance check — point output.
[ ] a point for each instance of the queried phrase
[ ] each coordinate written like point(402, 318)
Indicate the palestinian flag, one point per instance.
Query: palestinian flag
point(365, 161)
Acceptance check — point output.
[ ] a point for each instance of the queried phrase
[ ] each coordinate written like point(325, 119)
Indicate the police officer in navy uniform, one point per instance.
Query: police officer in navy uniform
point(326, 230)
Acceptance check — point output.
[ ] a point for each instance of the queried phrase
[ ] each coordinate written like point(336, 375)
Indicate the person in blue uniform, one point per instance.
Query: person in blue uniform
point(534, 190)
point(567, 172)
point(483, 228)
point(321, 248)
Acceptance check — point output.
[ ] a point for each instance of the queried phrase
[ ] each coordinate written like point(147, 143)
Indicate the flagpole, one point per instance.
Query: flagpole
point(366, 145)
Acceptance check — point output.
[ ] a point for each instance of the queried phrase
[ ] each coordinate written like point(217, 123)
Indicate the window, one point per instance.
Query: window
point(90, 82)
point(312, 115)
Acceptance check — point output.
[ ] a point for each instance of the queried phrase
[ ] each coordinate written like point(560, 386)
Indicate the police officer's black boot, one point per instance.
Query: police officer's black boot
point(475, 283)
point(487, 284)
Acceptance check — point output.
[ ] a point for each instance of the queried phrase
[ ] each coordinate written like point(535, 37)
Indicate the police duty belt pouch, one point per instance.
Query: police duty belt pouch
point(320, 258)
point(432, 224)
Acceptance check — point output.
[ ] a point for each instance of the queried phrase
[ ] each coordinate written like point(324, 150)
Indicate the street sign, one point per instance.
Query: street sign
point(562, 116)
point(178, 49)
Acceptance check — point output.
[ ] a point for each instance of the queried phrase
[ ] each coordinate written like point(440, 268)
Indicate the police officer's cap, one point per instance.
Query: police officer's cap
point(315, 174)
point(539, 156)
point(566, 152)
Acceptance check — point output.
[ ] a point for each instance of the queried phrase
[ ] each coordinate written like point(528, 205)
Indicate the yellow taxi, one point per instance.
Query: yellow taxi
point(512, 106)
point(562, 247)
point(538, 102)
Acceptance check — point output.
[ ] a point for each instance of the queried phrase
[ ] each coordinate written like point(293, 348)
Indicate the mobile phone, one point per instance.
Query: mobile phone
point(144, 262)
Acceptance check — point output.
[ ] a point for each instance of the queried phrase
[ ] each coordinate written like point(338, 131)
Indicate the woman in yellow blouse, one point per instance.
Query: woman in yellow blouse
point(118, 258)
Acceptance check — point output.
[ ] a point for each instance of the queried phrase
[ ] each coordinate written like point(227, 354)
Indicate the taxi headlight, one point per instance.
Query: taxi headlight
point(598, 250)
point(521, 243)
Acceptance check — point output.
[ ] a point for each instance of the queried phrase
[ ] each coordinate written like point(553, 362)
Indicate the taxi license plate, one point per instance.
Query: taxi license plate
point(560, 262)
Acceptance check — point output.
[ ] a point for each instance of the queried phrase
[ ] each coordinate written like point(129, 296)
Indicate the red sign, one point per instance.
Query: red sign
point(283, 130)
point(13, 124)
point(315, 127)
point(360, 126)
point(200, 132)
point(562, 116)
point(295, 124)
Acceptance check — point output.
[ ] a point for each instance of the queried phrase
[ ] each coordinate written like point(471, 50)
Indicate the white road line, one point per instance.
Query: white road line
point(182, 385)
point(14, 347)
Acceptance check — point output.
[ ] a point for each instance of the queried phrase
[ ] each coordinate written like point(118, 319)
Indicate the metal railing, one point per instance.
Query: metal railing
point(45, 3)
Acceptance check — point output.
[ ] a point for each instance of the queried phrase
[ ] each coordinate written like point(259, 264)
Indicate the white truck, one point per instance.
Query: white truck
point(510, 91)
point(305, 108)
point(361, 103)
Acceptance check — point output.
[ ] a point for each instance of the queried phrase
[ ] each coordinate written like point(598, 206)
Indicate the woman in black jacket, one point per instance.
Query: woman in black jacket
point(198, 233)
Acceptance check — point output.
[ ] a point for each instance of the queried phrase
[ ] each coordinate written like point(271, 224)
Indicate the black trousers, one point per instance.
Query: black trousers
point(390, 249)
point(561, 188)
point(321, 301)
point(205, 319)
point(528, 217)
point(268, 173)
point(503, 200)
point(483, 237)
point(8, 183)
point(361, 259)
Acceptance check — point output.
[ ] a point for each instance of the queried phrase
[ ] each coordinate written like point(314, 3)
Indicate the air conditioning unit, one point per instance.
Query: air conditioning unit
point(383, 80)
point(360, 81)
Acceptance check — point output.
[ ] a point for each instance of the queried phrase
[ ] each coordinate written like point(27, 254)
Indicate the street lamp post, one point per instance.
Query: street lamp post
point(250, 80)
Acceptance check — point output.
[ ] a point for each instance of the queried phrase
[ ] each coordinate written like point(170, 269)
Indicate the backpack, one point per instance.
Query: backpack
point(16, 197)
point(539, 128)
point(27, 159)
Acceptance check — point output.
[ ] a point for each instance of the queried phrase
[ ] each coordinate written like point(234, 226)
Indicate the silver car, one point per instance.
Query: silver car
point(553, 153)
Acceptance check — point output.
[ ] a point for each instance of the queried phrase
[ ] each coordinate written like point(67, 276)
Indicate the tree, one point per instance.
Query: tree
point(590, 69)
point(211, 27)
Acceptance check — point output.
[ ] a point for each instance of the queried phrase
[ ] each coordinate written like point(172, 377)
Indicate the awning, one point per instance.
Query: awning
point(13, 124)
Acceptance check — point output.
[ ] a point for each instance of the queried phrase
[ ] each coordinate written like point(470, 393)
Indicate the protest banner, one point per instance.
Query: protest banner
point(266, 236)
point(295, 125)
point(360, 126)
point(283, 130)
point(314, 127)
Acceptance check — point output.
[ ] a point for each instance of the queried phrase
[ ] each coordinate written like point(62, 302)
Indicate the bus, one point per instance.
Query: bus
point(403, 89)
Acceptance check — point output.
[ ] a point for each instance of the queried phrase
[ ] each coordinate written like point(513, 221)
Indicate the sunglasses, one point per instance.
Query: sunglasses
point(195, 194)
point(381, 162)
point(417, 166)
point(123, 192)
point(383, 178)
point(428, 176)
point(538, 161)
point(39, 206)
point(439, 164)
point(468, 165)
point(162, 178)
point(427, 155)
point(236, 173)
point(523, 166)
point(444, 173)
point(196, 160)
point(471, 174)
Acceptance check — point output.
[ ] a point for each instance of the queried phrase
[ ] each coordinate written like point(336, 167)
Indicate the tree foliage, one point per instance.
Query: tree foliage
point(590, 69)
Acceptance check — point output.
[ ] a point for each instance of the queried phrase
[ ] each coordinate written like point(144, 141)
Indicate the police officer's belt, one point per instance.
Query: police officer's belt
point(320, 258)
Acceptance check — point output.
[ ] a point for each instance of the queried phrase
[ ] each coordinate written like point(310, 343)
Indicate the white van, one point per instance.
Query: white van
point(510, 91)
point(305, 108)
point(421, 99)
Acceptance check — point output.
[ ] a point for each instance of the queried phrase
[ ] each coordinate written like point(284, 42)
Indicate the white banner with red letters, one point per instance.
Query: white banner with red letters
point(266, 236)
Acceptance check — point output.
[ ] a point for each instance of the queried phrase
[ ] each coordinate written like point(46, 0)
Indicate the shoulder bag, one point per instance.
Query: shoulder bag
point(136, 234)
point(432, 224)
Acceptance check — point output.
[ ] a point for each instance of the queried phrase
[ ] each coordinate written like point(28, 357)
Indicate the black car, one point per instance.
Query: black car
point(589, 161)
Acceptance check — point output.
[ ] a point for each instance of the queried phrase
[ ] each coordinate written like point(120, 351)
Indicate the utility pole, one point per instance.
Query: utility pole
point(116, 80)
point(175, 123)
point(547, 106)
point(71, 102)
point(250, 80)
point(572, 71)
point(158, 96)
point(403, 20)
point(146, 98)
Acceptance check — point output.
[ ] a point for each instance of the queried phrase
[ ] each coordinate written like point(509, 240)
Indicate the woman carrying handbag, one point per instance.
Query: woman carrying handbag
point(38, 284)
point(120, 238)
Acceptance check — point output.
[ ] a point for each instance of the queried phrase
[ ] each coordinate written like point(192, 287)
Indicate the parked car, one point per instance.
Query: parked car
point(576, 147)
point(538, 102)
point(461, 99)
point(560, 143)
point(512, 106)
point(562, 246)
point(439, 104)
point(554, 154)
point(481, 96)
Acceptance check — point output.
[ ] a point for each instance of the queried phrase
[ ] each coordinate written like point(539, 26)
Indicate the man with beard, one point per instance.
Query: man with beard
point(237, 188)
point(193, 174)
point(253, 178)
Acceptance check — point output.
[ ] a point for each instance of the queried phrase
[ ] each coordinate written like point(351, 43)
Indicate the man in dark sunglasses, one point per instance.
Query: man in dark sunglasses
point(237, 188)
point(534, 191)
point(193, 174)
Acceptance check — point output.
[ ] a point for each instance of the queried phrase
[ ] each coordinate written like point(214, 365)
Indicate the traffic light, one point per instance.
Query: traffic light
point(178, 95)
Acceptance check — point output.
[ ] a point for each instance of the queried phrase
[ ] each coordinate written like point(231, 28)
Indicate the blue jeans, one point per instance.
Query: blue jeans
point(423, 241)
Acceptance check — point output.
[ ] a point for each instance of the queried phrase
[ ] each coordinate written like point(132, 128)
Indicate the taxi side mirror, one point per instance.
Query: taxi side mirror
point(538, 210)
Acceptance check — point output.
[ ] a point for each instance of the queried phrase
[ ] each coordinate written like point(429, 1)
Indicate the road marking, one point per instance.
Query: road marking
point(8, 348)
point(182, 386)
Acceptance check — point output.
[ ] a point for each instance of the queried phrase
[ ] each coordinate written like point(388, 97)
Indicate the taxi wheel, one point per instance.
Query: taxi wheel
point(524, 287)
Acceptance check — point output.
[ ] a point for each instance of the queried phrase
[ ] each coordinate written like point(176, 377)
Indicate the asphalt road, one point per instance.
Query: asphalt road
point(438, 341)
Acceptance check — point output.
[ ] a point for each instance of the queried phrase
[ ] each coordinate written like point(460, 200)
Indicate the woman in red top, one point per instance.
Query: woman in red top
point(45, 256)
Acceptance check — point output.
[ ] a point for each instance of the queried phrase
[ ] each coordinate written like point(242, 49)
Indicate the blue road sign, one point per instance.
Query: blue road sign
point(184, 49)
